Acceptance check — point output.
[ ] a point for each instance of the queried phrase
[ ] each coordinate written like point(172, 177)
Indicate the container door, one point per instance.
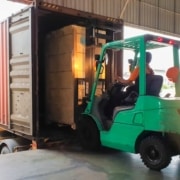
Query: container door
point(20, 72)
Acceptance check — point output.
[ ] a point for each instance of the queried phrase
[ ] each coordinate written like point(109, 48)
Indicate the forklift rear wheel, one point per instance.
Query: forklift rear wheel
point(154, 153)
point(88, 133)
point(5, 150)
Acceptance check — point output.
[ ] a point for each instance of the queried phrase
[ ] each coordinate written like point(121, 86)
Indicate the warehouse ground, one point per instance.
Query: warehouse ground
point(73, 163)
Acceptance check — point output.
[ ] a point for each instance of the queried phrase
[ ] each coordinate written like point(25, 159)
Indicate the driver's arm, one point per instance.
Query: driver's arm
point(133, 77)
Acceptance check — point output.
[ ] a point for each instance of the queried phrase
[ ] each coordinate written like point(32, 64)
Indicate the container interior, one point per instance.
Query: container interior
point(54, 98)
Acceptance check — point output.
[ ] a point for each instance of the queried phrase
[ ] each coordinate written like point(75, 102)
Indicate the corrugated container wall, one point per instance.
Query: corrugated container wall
point(159, 15)
point(3, 74)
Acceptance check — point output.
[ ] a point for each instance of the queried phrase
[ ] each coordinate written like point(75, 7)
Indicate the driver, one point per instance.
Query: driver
point(135, 73)
point(153, 82)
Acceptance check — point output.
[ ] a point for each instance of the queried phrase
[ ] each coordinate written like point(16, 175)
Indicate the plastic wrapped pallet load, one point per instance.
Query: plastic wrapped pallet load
point(64, 61)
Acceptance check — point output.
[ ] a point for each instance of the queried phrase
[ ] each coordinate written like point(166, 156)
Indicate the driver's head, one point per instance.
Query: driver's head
point(148, 57)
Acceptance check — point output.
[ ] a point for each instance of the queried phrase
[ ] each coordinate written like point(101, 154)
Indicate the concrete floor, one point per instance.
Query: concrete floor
point(75, 164)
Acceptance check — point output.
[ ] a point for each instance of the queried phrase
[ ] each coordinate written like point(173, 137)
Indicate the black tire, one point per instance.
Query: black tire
point(5, 150)
point(88, 134)
point(155, 153)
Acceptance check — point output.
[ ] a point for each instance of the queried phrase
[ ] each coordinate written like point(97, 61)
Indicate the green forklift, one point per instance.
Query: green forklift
point(140, 122)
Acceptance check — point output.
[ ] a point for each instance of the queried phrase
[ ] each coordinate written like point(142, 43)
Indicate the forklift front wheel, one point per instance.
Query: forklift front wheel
point(155, 153)
point(88, 133)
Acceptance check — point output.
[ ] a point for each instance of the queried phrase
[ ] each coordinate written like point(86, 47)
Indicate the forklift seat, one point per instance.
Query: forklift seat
point(121, 108)
point(154, 84)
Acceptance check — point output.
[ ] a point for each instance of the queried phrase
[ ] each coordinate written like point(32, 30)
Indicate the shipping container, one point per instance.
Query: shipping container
point(47, 68)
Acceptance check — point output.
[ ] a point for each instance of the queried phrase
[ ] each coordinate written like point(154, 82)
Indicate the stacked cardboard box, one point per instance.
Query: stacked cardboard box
point(64, 61)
